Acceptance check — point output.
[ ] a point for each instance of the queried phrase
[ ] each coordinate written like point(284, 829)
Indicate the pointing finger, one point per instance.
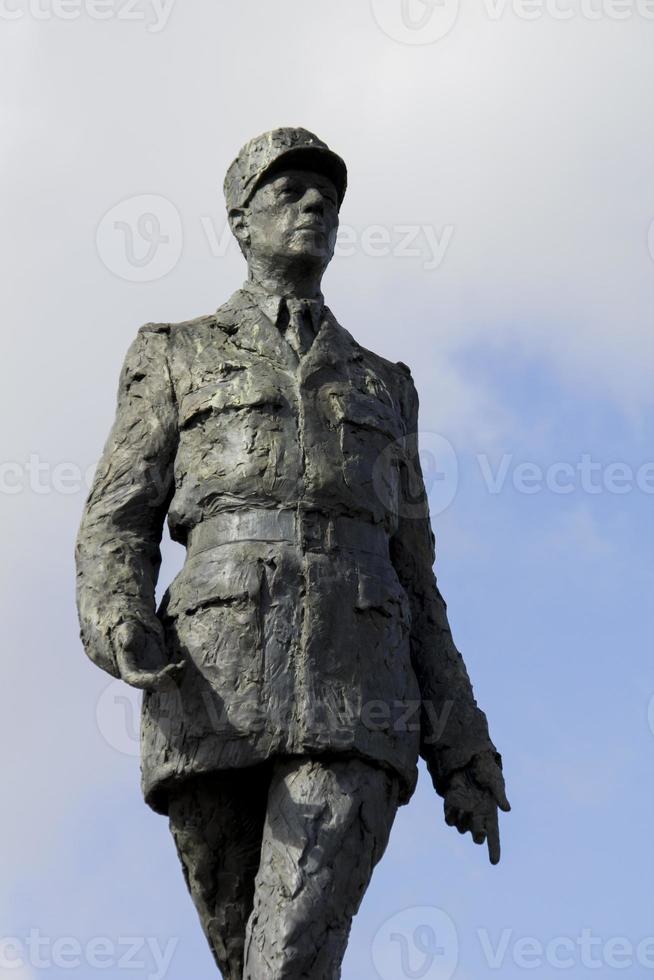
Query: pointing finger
point(493, 832)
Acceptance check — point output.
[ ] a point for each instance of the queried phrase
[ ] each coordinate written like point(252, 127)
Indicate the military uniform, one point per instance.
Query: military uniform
point(307, 613)
point(307, 609)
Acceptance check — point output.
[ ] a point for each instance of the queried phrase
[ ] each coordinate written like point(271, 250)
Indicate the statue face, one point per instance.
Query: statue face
point(293, 215)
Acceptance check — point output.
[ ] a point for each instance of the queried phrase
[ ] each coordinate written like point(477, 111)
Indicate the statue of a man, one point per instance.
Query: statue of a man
point(302, 660)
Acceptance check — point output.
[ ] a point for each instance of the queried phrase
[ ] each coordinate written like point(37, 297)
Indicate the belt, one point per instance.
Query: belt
point(310, 529)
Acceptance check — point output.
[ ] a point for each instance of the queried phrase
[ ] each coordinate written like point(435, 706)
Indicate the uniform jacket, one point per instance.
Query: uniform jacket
point(307, 612)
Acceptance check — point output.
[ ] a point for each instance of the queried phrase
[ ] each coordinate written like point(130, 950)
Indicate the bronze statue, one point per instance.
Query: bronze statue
point(302, 659)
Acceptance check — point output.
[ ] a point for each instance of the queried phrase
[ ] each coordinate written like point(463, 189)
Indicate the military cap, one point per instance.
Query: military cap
point(278, 150)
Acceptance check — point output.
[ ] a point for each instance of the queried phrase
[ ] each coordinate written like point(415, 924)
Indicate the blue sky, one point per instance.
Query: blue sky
point(530, 343)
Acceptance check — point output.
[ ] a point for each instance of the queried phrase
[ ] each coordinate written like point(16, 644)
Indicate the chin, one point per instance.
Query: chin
point(312, 248)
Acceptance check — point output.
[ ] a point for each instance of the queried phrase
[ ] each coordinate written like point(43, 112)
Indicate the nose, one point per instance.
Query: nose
point(313, 202)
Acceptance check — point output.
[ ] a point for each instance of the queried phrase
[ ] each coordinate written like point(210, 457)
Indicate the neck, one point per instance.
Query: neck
point(300, 283)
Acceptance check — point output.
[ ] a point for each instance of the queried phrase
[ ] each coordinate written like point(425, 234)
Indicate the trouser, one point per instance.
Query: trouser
point(277, 858)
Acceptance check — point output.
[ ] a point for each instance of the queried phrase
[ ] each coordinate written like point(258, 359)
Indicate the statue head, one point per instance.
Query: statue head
point(283, 193)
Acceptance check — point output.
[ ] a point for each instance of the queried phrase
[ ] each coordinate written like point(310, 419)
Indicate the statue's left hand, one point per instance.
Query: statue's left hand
point(141, 655)
point(471, 800)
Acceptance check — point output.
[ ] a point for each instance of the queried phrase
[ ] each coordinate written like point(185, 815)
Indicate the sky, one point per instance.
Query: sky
point(497, 236)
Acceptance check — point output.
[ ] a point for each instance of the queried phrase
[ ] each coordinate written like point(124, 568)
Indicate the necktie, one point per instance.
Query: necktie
point(299, 329)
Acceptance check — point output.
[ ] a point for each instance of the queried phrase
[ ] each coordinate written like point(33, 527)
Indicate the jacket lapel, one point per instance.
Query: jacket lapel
point(255, 333)
point(332, 349)
point(331, 355)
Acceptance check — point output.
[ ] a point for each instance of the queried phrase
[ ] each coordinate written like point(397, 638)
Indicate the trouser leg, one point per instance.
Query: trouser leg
point(327, 825)
point(217, 823)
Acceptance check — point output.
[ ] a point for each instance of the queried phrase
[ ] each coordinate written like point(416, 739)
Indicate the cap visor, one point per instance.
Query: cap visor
point(314, 158)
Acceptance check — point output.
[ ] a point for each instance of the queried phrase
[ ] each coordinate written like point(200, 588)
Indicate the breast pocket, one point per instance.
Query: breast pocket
point(233, 433)
point(370, 433)
point(364, 411)
point(245, 392)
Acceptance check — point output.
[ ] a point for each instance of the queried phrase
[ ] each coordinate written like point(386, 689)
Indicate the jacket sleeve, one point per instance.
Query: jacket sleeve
point(453, 728)
point(117, 554)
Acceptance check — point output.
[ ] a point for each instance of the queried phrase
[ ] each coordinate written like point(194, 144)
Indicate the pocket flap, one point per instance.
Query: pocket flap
point(216, 576)
point(243, 391)
point(364, 410)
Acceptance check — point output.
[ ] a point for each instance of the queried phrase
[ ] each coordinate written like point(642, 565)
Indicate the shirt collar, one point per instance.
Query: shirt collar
point(271, 304)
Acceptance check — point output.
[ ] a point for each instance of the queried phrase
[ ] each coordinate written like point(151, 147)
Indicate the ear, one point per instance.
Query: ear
point(238, 222)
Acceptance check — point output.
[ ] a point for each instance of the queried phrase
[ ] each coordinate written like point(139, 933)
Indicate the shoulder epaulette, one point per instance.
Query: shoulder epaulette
point(155, 328)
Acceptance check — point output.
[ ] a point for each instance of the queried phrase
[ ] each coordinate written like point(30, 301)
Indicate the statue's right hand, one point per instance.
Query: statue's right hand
point(141, 657)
